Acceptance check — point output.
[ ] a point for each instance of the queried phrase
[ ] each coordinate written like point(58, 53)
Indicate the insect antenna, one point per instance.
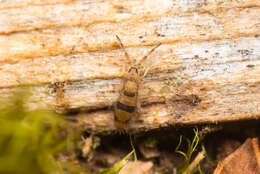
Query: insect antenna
point(123, 47)
point(148, 54)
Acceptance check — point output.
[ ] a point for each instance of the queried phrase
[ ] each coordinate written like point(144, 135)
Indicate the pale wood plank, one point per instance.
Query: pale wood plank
point(205, 71)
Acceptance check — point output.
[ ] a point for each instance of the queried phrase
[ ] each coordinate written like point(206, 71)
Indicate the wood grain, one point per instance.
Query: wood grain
point(66, 53)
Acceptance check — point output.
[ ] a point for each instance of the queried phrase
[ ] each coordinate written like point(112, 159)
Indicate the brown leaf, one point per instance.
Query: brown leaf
point(245, 160)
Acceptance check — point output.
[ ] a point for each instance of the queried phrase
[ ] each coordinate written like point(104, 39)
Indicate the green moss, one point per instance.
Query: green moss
point(31, 141)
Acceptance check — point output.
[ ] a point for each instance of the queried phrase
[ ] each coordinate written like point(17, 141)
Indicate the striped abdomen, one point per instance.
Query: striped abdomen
point(125, 107)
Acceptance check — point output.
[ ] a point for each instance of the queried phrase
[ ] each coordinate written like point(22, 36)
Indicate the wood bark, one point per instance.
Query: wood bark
point(66, 53)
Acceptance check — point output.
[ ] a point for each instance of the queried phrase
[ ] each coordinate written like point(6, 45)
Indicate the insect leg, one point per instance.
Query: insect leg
point(139, 107)
point(146, 72)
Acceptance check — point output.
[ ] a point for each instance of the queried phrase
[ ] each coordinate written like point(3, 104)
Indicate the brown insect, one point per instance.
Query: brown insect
point(128, 105)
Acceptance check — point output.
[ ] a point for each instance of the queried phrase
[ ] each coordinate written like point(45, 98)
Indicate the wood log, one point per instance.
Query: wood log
point(66, 53)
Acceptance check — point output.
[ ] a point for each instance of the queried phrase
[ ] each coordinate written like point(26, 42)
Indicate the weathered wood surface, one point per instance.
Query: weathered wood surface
point(206, 70)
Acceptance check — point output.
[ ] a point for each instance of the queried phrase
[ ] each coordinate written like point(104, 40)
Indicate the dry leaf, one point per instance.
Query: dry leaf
point(245, 160)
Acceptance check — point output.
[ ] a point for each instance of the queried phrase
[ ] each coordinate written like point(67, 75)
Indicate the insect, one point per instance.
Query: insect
point(128, 104)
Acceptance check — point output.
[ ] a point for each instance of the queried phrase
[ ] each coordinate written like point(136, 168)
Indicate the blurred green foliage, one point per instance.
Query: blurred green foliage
point(31, 141)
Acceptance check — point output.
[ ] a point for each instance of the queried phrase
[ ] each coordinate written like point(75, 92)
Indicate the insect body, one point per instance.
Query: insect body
point(127, 105)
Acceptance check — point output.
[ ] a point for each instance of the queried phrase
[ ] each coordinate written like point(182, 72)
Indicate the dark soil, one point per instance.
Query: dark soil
point(159, 145)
